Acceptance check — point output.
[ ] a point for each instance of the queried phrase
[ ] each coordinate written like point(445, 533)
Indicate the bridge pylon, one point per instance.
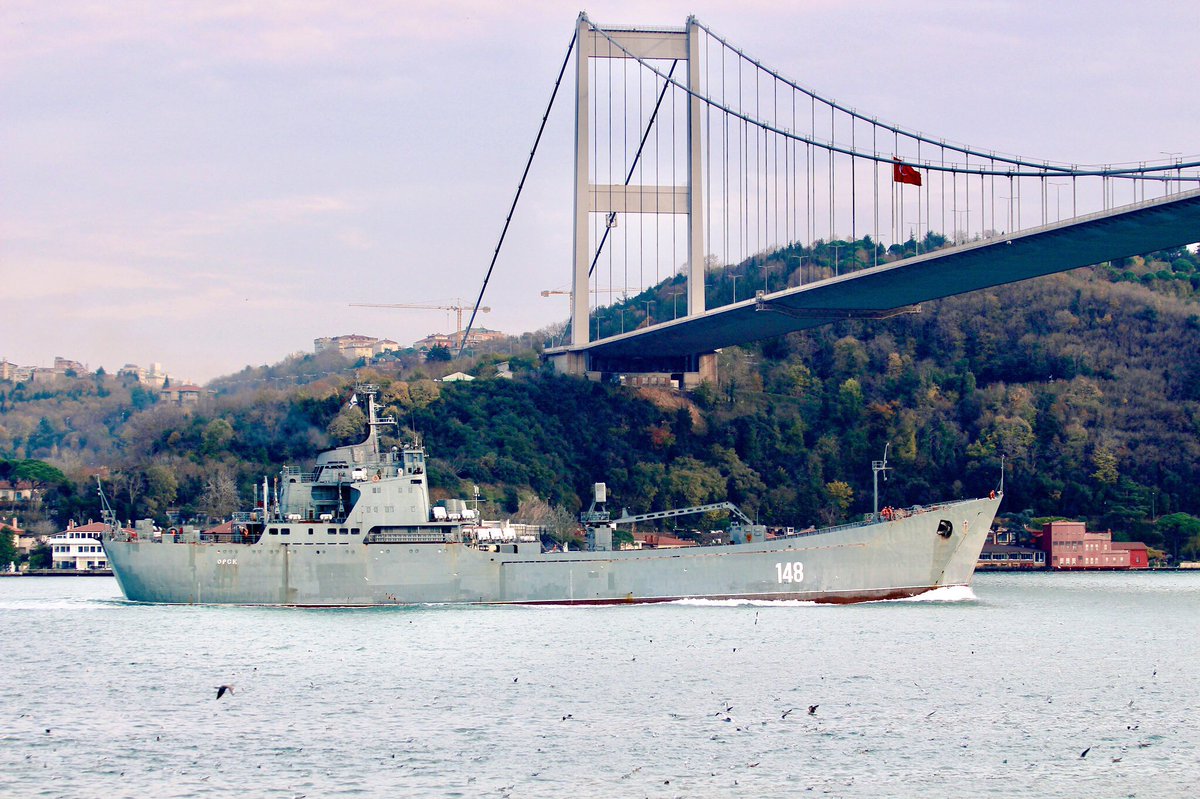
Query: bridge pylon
point(676, 44)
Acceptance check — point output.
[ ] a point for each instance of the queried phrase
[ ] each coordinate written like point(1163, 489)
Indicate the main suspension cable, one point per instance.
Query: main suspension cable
point(1041, 169)
point(462, 345)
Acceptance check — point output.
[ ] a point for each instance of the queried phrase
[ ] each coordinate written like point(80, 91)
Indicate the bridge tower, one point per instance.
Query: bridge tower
point(591, 198)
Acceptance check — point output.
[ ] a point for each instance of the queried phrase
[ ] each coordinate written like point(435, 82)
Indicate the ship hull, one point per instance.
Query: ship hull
point(886, 560)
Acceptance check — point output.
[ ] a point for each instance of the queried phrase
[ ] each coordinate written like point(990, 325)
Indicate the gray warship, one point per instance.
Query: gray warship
point(359, 530)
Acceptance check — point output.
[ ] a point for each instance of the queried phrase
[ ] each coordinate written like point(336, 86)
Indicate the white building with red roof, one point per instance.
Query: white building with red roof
point(78, 548)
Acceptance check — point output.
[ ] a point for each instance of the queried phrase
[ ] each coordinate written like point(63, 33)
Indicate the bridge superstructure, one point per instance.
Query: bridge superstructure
point(694, 160)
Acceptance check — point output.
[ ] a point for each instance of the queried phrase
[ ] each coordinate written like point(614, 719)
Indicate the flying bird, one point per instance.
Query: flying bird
point(1084, 752)
point(785, 713)
point(223, 689)
point(812, 710)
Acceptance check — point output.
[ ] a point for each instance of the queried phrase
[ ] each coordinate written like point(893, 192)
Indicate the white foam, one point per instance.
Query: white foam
point(950, 593)
point(53, 604)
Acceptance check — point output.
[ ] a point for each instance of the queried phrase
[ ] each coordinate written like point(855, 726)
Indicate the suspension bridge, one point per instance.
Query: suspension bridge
point(693, 159)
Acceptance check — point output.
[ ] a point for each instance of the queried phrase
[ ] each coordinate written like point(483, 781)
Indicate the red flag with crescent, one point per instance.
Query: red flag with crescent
point(903, 173)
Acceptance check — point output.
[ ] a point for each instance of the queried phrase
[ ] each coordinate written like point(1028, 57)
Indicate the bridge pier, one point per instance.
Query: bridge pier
point(682, 372)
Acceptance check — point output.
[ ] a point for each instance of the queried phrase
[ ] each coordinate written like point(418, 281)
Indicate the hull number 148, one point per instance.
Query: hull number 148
point(790, 572)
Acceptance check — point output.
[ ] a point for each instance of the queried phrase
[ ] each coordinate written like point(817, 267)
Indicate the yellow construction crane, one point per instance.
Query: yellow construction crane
point(457, 308)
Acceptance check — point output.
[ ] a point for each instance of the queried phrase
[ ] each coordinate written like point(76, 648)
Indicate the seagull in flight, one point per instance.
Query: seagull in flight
point(224, 689)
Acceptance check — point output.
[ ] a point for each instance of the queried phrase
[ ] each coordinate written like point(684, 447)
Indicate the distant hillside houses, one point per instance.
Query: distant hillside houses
point(63, 367)
point(155, 375)
point(19, 491)
point(479, 335)
point(184, 395)
point(355, 346)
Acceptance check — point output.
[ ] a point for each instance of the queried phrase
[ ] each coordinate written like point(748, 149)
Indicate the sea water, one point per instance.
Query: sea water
point(1028, 685)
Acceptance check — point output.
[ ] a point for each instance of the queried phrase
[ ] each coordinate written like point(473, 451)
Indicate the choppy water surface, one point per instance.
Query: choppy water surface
point(996, 694)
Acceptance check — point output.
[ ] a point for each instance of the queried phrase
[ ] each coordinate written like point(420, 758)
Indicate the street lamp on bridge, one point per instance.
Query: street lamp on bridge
point(675, 303)
point(1057, 186)
point(1174, 158)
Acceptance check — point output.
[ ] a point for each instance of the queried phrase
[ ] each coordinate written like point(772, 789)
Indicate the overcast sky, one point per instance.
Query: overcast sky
point(209, 184)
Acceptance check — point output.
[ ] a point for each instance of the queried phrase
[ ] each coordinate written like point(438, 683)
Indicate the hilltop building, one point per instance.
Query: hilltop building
point(154, 375)
point(64, 365)
point(19, 492)
point(479, 335)
point(41, 374)
point(185, 396)
point(354, 345)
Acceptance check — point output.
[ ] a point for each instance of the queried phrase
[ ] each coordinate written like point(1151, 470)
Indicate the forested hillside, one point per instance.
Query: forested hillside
point(1085, 382)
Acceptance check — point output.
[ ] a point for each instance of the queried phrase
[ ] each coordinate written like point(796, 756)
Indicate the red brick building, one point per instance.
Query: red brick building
point(1070, 546)
point(1139, 553)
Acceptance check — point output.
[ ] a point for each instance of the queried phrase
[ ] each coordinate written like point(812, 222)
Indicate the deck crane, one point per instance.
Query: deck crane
point(458, 308)
point(600, 523)
point(734, 510)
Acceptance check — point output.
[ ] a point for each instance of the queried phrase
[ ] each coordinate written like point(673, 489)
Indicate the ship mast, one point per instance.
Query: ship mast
point(370, 390)
point(107, 514)
point(876, 468)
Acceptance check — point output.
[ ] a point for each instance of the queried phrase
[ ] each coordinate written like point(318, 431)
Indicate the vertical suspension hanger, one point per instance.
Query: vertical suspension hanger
point(853, 184)
point(875, 187)
point(832, 141)
point(942, 189)
point(725, 156)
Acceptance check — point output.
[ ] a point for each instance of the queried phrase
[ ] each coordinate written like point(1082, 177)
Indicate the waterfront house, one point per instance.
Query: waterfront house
point(995, 557)
point(78, 548)
point(1139, 553)
point(24, 540)
point(1070, 545)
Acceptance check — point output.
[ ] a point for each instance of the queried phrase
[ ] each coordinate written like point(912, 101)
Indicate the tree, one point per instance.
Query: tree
point(1179, 531)
point(220, 497)
point(162, 486)
point(348, 424)
point(8, 550)
point(423, 393)
point(838, 495)
point(41, 557)
point(439, 353)
point(216, 437)
point(535, 510)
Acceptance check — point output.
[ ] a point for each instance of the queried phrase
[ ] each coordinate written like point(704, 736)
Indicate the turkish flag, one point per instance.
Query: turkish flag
point(903, 173)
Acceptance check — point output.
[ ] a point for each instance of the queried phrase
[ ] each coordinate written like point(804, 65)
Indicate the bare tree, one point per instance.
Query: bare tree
point(220, 496)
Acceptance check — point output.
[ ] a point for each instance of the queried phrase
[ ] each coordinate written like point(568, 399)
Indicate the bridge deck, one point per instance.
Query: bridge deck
point(1125, 231)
